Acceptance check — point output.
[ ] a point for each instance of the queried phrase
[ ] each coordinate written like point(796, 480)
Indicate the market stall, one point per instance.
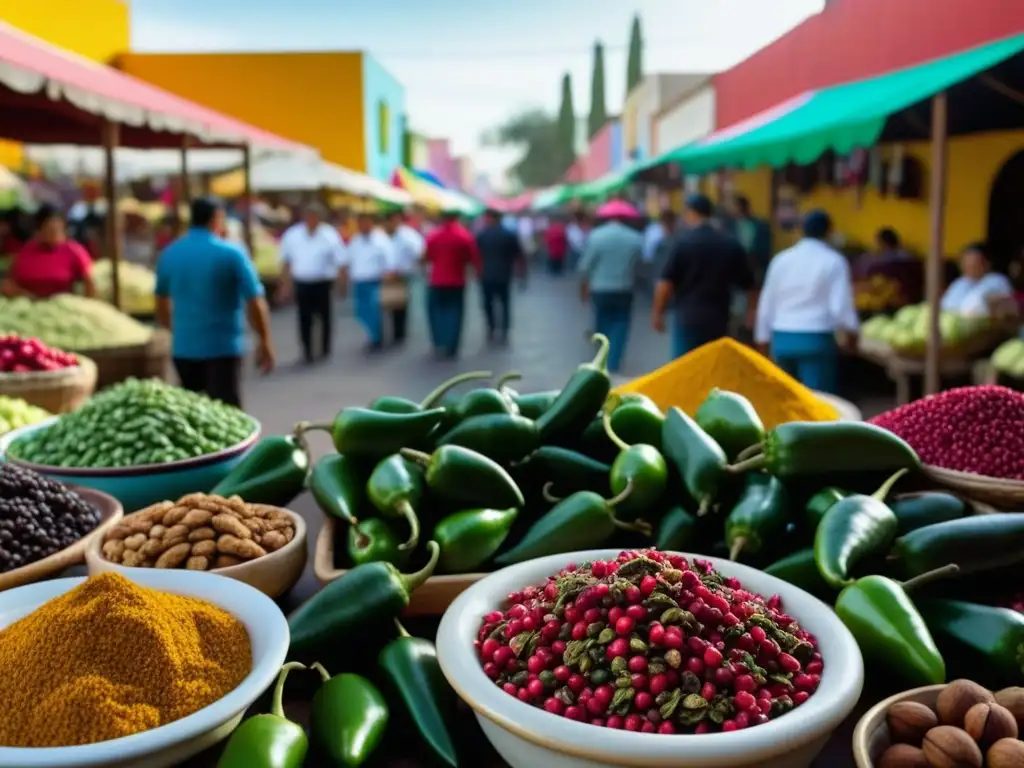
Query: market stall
point(432, 197)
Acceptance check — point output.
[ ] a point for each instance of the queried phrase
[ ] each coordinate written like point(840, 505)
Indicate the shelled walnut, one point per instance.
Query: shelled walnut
point(198, 532)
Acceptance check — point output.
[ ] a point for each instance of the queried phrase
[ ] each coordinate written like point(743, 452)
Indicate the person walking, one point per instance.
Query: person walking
point(451, 250)
point(704, 266)
point(206, 287)
point(609, 269)
point(807, 298)
point(311, 255)
point(556, 244)
point(370, 259)
point(408, 246)
point(501, 255)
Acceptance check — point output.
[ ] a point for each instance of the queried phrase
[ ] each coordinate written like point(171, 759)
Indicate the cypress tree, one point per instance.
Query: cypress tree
point(566, 125)
point(634, 65)
point(598, 111)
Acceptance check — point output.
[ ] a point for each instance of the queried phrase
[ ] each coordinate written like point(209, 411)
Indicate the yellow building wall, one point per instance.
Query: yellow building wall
point(96, 29)
point(314, 98)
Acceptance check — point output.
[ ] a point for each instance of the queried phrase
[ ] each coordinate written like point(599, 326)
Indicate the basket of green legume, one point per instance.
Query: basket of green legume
point(140, 441)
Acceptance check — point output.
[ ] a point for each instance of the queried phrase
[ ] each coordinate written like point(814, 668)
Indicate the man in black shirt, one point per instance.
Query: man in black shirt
point(704, 267)
point(501, 254)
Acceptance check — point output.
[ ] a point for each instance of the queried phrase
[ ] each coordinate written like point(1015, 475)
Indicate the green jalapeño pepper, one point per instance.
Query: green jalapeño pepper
point(396, 488)
point(760, 515)
point(801, 570)
point(568, 470)
point(364, 433)
point(348, 719)
point(819, 504)
point(503, 437)
point(698, 459)
point(582, 397)
point(981, 642)
point(273, 472)
point(485, 401)
point(368, 593)
point(467, 477)
point(584, 520)
point(371, 541)
point(389, 404)
point(802, 448)
point(853, 529)
point(640, 468)
point(976, 543)
point(677, 531)
point(731, 421)
point(888, 628)
point(533, 405)
point(469, 538)
point(410, 665)
point(916, 510)
point(635, 421)
point(268, 741)
point(338, 487)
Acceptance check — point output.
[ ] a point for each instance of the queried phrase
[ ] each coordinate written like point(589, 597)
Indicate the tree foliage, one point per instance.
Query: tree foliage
point(634, 64)
point(598, 111)
point(535, 133)
point(567, 125)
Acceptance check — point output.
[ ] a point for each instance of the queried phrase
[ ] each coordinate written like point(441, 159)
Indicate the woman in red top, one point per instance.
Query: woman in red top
point(49, 263)
point(556, 242)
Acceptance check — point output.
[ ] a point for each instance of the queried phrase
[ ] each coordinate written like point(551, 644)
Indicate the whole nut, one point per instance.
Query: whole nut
point(1005, 753)
point(909, 721)
point(903, 756)
point(1013, 700)
point(957, 697)
point(949, 747)
point(988, 723)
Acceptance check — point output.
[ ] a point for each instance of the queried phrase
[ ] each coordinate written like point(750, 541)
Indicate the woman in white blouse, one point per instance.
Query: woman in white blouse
point(977, 286)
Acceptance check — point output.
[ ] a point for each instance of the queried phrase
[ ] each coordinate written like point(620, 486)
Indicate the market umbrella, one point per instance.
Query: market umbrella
point(617, 209)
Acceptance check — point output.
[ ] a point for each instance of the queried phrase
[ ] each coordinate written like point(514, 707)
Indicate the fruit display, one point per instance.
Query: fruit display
point(138, 286)
point(1009, 358)
point(38, 517)
point(21, 355)
point(879, 293)
point(16, 413)
point(135, 423)
point(906, 332)
point(71, 322)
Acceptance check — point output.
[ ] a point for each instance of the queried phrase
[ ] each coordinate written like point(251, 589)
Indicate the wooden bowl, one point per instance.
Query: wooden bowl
point(431, 599)
point(273, 574)
point(871, 736)
point(1004, 494)
point(111, 513)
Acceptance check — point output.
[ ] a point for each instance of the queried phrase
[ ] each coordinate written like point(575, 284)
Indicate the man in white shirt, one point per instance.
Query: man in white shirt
point(808, 297)
point(408, 246)
point(311, 254)
point(369, 260)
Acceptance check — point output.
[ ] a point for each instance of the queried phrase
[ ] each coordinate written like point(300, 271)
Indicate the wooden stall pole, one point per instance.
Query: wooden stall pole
point(247, 192)
point(114, 240)
point(934, 267)
point(186, 182)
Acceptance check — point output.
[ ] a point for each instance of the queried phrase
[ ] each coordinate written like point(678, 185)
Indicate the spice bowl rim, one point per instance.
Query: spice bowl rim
point(841, 682)
point(874, 719)
point(262, 619)
point(192, 462)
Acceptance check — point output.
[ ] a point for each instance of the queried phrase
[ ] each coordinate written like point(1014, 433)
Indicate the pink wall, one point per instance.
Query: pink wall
point(441, 163)
point(598, 160)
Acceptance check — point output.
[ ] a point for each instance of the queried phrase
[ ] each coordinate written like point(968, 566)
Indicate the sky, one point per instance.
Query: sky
point(467, 65)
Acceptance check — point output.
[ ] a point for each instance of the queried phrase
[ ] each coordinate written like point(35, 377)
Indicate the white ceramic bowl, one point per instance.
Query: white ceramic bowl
point(170, 744)
point(526, 736)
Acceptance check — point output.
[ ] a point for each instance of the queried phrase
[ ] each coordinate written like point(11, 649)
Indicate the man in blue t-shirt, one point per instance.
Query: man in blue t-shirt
point(205, 289)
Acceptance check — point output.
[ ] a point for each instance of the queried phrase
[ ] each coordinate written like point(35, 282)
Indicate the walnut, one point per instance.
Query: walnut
point(949, 747)
point(909, 721)
point(988, 723)
point(957, 697)
point(1013, 700)
point(1005, 753)
point(903, 756)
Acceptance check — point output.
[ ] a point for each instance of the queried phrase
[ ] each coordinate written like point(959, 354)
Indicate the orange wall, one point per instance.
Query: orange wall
point(314, 98)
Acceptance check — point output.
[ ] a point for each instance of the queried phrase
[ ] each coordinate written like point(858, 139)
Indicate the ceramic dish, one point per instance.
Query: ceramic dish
point(995, 491)
point(273, 574)
point(111, 512)
point(170, 744)
point(430, 599)
point(871, 736)
point(527, 737)
point(138, 487)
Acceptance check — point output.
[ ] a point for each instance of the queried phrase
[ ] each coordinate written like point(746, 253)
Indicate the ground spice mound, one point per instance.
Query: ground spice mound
point(776, 396)
point(111, 658)
point(970, 429)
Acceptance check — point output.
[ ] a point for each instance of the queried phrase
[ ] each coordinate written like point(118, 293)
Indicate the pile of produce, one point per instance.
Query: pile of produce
point(879, 293)
point(38, 517)
point(137, 422)
point(111, 658)
point(969, 429)
point(21, 355)
point(1009, 358)
point(198, 532)
point(16, 413)
point(969, 727)
point(137, 283)
point(907, 331)
point(71, 322)
point(646, 643)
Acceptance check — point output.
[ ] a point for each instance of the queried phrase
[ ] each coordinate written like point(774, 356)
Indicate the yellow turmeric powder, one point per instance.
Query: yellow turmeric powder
point(735, 367)
point(111, 658)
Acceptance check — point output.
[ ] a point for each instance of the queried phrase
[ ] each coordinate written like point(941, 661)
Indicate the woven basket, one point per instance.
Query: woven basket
point(54, 391)
point(143, 361)
point(1001, 494)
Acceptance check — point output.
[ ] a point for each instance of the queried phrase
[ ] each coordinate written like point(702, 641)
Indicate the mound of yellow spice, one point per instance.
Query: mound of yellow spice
point(111, 658)
point(727, 364)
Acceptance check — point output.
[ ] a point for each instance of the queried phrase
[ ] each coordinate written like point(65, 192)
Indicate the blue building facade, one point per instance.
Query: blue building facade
point(383, 113)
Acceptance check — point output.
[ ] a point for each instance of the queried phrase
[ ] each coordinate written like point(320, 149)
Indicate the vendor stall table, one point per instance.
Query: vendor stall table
point(902, 370)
